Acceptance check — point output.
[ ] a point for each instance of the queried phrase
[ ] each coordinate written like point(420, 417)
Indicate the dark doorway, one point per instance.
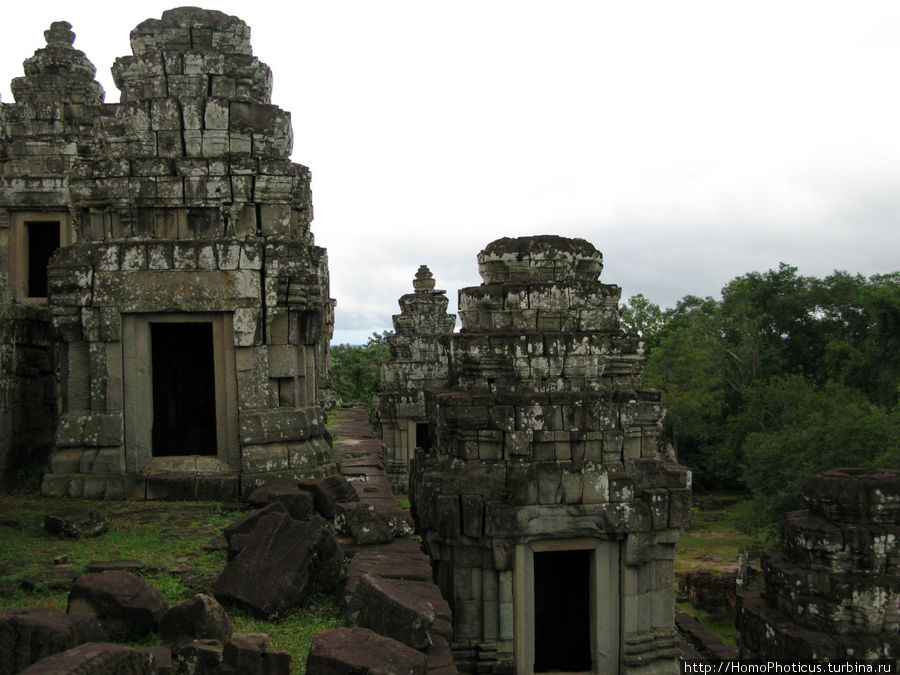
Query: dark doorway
point(423, 435)
point(184, 392)
point(562, 611)
point(43, 240)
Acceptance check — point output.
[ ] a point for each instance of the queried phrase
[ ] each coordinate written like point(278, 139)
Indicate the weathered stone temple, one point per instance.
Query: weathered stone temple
point(188, 304)
point(418, 361)
point(546, 501)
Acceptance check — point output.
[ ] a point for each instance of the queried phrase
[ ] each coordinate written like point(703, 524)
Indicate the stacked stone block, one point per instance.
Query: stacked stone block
point(182, 201)
point(546, 440)
point(27, 397)
point(833, 593)
point(418, 360)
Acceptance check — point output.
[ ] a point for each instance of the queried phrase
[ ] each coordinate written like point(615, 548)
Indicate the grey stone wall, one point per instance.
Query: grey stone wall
point(180, 201)
point(547, 442)
point(833, 592)
point(27, 395)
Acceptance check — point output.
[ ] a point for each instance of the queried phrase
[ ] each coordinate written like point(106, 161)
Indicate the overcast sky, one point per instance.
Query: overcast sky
point(690, 142)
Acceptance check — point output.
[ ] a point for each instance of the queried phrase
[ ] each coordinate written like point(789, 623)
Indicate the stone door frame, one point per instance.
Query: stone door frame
point(605, 594)
point(137, 374)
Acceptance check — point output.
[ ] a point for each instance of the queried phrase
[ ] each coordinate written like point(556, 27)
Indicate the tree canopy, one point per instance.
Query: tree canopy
point(356, 368)
point(782, 377)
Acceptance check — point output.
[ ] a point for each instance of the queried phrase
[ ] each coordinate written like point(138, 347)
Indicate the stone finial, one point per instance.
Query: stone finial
point(60, 34)
point(541, 258)
point(424, 281)
point(58, 72)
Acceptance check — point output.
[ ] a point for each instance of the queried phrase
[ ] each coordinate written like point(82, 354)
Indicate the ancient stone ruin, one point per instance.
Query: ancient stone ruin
point(547, 504)
point(833, 593)
point(418, 360)
point(187, 306)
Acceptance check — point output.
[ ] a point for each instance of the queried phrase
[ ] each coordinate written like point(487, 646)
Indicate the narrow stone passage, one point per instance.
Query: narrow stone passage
point(362, 463)
point(389, 587)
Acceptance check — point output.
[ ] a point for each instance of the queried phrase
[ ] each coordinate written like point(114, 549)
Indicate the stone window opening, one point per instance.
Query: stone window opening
point(567, 609)
point(184, 397)
point(423, 435)
point(43, 240)
point(34, 239)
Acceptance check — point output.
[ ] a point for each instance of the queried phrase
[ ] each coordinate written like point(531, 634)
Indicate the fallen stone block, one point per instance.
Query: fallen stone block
point(250, 654)
point(400, 559)
point(328, 492)
point(96, 658)
point(236, 533)
point(132, 566)
point(360, 651)
point(408, 611)
point(285, 491)
point(281, 560)
point(77, 524)
point(362, 522)
point(200, 657)
point(162, 659)
point(29, 635)
point(124, 605)
point(199, 617)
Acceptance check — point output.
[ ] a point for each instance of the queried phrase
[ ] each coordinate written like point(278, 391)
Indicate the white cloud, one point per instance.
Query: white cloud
point(690, 142)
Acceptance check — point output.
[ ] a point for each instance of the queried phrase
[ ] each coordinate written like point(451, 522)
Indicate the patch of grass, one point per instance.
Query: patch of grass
point(293, 633)
point(167, 537)
point(403, 501)
point(713, 541)
point(160, 535)
point(724, 629)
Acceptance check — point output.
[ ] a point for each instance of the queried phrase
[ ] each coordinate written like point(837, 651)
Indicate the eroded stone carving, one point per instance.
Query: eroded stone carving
point(546, 503)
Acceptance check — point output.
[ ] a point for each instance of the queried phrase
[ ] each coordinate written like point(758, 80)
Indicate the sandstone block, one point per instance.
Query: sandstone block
point(124, 605)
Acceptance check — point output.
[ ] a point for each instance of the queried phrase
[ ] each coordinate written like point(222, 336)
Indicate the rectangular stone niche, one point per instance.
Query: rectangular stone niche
point(34, 236)
point(180, 388)
point(567, 606)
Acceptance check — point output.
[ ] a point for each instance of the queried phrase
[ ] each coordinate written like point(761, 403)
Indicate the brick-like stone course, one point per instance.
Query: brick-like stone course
point(833, 592)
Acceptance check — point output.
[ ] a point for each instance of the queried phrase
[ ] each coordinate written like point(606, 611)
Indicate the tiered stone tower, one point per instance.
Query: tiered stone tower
point(547, 504)
point(418, 360)
point(834, 591)
point(189, 303)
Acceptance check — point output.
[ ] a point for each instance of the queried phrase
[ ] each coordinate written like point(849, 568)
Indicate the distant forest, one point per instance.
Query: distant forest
point(781, 377)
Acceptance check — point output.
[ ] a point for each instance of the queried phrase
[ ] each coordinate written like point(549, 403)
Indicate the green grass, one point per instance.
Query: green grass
point(724, 629)
point(713, 541)
point(167, 537)
point(293, 633)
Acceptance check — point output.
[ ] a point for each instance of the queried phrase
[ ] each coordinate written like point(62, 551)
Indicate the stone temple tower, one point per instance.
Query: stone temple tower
point(189, 305)
point(418, 360)
point(546, 502)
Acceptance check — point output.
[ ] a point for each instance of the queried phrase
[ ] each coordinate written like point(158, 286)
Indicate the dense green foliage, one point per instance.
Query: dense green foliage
point(782, 377)
point(356, 368)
